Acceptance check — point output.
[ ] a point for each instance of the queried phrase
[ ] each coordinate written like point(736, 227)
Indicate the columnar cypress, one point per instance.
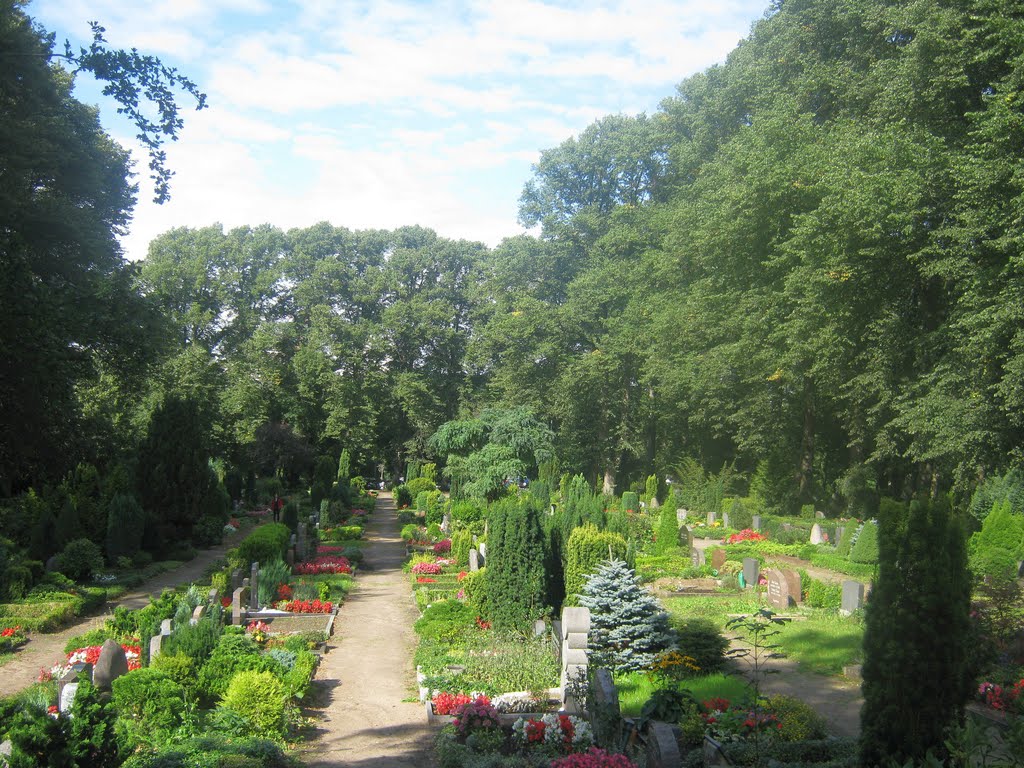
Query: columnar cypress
point(668, 531)
point(516, 579)
point(916, 675)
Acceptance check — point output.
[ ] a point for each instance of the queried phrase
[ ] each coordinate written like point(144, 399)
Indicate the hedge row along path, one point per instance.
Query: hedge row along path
point(44, 650)
point(365, 719)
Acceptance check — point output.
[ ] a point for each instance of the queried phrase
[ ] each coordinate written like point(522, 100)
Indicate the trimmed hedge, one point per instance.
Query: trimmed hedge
point(266, 543)
point(587, 548)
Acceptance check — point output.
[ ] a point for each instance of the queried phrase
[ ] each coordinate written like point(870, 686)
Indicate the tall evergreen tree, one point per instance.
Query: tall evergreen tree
point(516, 578)
point(916, 675)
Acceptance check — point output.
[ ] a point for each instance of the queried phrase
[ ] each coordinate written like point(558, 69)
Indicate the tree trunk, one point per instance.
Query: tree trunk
point(609, 480)
point(805, 479)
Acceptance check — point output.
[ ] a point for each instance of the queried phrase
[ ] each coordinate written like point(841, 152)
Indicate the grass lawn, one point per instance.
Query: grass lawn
point(635, 688)
point(823, 642)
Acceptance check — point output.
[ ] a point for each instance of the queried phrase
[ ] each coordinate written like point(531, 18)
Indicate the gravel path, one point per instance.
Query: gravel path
point(364, 717)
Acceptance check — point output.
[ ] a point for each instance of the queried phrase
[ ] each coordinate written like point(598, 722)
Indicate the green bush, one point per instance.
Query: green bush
point(866, 548)
point(149, 705)
point(403, 496)
point(798, 721)
point(421, 501)
point(418, 485)
point(411, 532)
point(196, 641)
point(466, 511)
point(587, 548)
point(434, 507)
point(668, 532)
point(92, 637)
point(630, 502)
point(180, 668)
point(995, 549)
point(233, 654)
point(298, 678)
point(702, 641)
point(80, 559)
point(261, 699)
point(824, 594)
point(462, 542)
point(290, 516)
point(474, 587)
point(273, 575)
point(516, 555)
point(846, 540)
point(266, 543)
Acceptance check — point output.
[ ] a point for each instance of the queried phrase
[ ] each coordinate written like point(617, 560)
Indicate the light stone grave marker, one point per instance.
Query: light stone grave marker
point(712, 517)
point(254, 587)
point(755, 522)
point(853, 597)
point(474, 560)
point(751, 571)
point(816, 536)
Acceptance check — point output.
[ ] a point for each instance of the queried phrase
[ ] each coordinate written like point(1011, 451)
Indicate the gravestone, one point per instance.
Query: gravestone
point(6, 748)
point(662, 747)
point(236, 579)
point(289, 556)
point(254, 588)
point(717, 559)
point(816, 537)
point(653, 503)
point(238, 602)
point(165, 627)
point(725, 520)
point(755, 522)
point(1020, 570)
point(696, 556)
point(819, 515)
point(575, 635)
point(111, 664)
point(197, 614)
point(474, 560)
point(302, 544)
point(751, 571)
point(853, 597)
point(67, 686)
point(446, 522)
point(712, 517)
point(780, 588)
point(686, 537)
point(606, 701)
point(212, 596)
point(539, 627)
point(681, 515)
point(156, 643)
point(795, 586)
point(483, 551)
point(839, 533)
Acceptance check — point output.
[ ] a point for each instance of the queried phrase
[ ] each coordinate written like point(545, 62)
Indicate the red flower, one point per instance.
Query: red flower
point(482, 624)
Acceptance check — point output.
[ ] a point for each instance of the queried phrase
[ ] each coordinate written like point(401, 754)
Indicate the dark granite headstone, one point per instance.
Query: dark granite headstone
point(111, 664)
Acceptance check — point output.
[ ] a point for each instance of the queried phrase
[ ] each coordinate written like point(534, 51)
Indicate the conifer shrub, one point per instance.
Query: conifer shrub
point(630, 502)
point(628, 627)
point(667, 537)
point(474, 587)
point(462, 542)
point(1008, 487)
point(435, 507)
point(846, 540)
point(290, 518)
point(586, 549)
point(421, 501)
point(516, 579)
point(180, 668)
point(260, 699)
point(125, 523)
point(198, 640)
point(233, 654)
point(702, 641)
point(651, 488)
point(996, 548)
point(149, 705)
point(798, 721)
point(272, 575)
point(466, 511)
point(865, 550)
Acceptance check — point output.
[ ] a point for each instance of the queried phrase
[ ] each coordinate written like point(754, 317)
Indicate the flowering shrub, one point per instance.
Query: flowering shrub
point(726, 723)
point(747, 534)
point(999, 697)
point(556, 733)
point(595, 758)
point(329, 549)
point(90, 655)
point(443, 547)
point(462, 575)
point(484, 625)
point(284, 592)
point(225, 602)
point(428, 568)
point(446, 703)
point(671, 666)
point(307, 606)
point(258, 630)
point(425, 580)
point(475, 715)
point(327, 564)
point(11, 638)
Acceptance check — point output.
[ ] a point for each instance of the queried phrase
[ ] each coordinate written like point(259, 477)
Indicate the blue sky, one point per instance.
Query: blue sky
point(385, 113)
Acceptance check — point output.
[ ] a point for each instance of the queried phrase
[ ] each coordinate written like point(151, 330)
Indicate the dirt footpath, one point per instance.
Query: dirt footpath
point(364, 718)
point(43, 651)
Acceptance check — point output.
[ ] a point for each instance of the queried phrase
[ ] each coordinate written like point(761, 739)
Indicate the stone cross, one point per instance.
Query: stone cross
point(254, 588)
point(575, 635)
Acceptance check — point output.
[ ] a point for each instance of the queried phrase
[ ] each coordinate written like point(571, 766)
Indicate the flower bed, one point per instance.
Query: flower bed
point(325, 564)
point(11, 638)
point(306, 606)
point(90, 655)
